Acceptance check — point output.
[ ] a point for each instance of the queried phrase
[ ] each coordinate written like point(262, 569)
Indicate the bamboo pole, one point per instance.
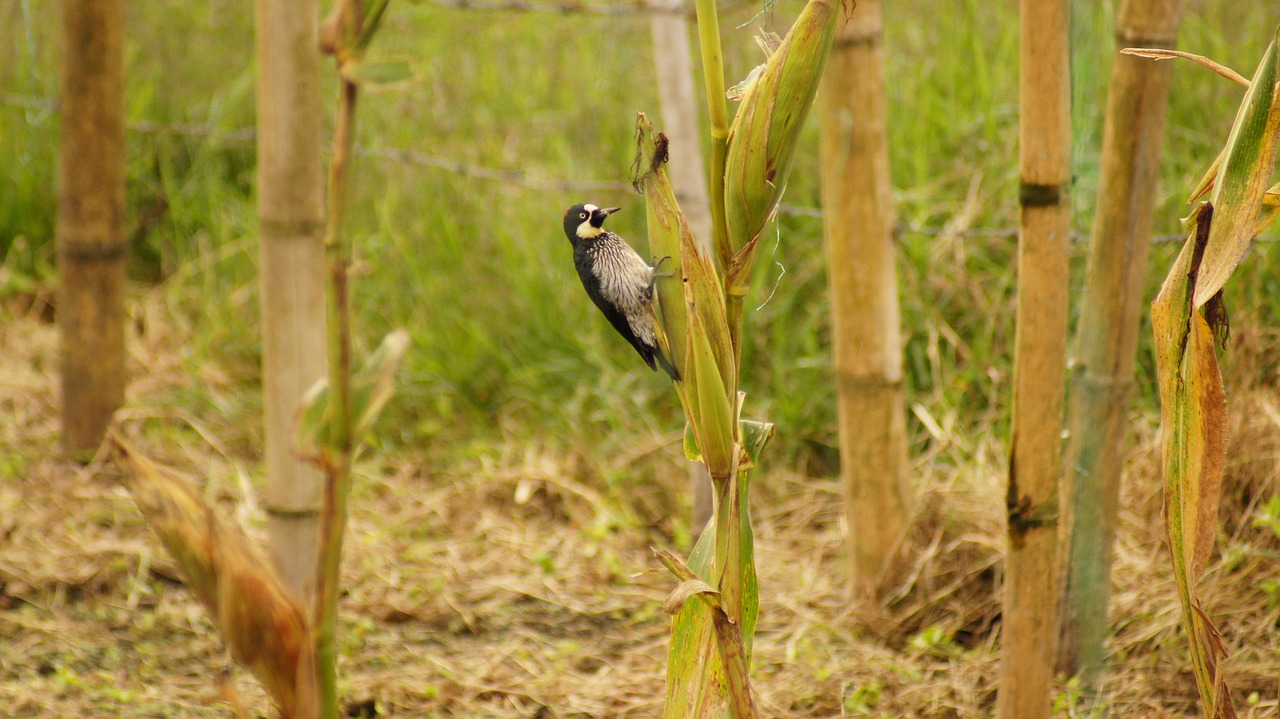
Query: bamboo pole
point(91, 249)
point(291, 224)
point(1031, 585)
point(1107, 337)
point(673, 62)
point(864, 297)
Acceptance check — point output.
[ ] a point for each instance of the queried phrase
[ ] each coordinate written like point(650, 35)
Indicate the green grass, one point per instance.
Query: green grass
point(506, 345)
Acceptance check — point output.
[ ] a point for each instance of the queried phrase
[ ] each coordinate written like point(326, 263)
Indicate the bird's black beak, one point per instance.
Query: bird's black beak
point(597, 217)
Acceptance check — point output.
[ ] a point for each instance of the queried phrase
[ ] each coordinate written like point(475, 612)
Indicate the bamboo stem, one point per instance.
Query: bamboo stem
point(333, 515)
point(864, 297)
point(291, 284)
point(90, 231)
point(1031, 583)
point(1107, 337)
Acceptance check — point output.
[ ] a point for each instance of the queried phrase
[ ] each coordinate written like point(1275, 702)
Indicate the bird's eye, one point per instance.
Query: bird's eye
point(582, 215)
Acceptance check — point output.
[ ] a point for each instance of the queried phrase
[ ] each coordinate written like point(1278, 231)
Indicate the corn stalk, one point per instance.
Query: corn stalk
point(333, 409)
point(292, 651)
point(700, 310)
point(1106, 340)
point(1188, 318)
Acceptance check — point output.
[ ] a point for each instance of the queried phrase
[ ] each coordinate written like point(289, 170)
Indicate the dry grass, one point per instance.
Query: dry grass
point(514, 583)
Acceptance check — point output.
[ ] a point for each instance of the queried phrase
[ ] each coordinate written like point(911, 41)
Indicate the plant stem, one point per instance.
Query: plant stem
point(734, 575)
point(333, 514)
point(718, 114)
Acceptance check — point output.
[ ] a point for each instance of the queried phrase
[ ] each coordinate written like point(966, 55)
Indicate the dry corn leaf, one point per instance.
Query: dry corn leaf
point(259, 619)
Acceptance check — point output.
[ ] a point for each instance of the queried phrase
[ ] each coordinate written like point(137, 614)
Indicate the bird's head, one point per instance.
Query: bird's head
point(582, 222)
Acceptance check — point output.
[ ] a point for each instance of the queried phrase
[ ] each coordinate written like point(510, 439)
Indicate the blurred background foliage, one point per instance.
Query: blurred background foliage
point(464, 174)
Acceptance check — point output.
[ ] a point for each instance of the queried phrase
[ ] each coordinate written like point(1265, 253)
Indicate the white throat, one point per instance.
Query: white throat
point(586, 230)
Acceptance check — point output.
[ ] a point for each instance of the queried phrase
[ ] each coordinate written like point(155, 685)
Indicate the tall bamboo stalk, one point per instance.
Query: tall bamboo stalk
point(291, 223)
point(673, 62)
point(1107, 336)
point(864, 296)
point(1031, 587)
point(91, 249)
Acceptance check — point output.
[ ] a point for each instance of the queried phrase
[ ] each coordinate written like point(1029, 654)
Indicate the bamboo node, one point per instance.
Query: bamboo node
point(1025, 515)
point(864, 380)
point(282, 513)
point(276, 228)
point(1032, 194)
point(871, 37)
point(1129, 37)
point(91, 251)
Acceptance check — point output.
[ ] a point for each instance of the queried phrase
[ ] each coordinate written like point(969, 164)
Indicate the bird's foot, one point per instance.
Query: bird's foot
point(657, 268)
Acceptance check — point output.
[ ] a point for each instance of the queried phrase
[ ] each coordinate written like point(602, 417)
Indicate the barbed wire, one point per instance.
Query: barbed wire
point(635, 7)
point(572, 7)
point(243, 135)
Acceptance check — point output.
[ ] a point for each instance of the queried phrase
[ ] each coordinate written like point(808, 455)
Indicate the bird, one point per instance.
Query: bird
point(618, 281)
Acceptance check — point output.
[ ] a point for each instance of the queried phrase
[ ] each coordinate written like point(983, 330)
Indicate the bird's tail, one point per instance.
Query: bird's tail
point(666, 365)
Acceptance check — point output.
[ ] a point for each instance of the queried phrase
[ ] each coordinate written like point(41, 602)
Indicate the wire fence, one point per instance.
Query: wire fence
point(245, 135)
point(615, 8)
point(636, 7)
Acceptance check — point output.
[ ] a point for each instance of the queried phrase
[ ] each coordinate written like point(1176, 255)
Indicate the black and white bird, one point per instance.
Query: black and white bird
point(617, 280)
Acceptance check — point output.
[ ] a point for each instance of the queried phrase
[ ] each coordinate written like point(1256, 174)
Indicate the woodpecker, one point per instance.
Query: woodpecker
point(617, 280)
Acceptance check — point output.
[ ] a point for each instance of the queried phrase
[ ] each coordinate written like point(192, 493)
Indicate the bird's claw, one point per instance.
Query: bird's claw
point(657, 268)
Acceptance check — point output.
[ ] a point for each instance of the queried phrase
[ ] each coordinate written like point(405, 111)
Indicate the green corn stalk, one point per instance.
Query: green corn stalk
point(700, 311)
point(1188, 318)
point(346, 34)
point(292, 651)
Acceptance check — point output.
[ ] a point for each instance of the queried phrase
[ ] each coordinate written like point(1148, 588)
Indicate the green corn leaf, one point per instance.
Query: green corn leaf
point(691, 451)
point(376, 74)
point(704, 296)
point(710, 413)
point(755, 435)
point(1193, 413)
point(696, 682)
point(374, 12)
point(1244, 177)
point(371, 388)
point(695, 678)
point(668, 232)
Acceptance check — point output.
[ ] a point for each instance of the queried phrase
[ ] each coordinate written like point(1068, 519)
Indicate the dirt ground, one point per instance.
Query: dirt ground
point(520, 583)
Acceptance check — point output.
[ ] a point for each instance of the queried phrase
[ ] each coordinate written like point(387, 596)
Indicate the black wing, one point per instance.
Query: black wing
point(619, 321)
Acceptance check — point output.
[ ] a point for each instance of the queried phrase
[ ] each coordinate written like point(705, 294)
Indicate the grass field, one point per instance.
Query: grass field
point(513, 488)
